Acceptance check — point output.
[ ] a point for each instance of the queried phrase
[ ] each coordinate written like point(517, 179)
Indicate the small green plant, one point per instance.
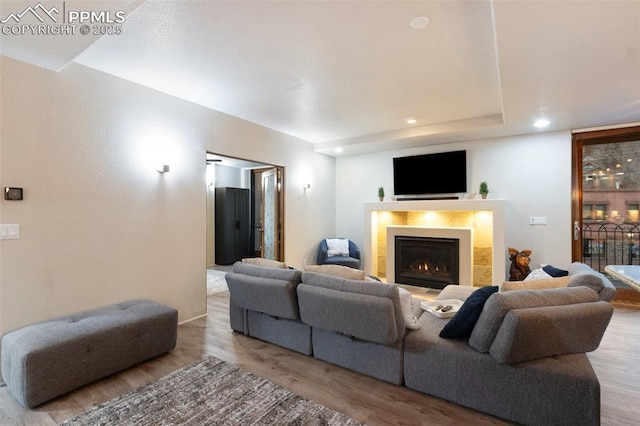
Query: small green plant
point(381, 192)
point(484, 188)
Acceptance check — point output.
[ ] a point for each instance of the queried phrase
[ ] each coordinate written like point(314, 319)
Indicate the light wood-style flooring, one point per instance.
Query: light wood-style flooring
point(616, 363)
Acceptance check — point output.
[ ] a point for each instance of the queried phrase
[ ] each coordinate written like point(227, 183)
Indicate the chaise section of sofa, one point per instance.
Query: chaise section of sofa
point(264, 305)
point(525, 360)
point(358, 325)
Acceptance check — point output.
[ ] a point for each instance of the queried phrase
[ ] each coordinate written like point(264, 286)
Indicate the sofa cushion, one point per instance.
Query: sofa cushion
point(365, 310)
point(259, 261)
point(535, 284)
point(264, 289)
point(465, 319)
point(499, 304)
point(535, 333)
point(337, 271)
point(608, 291)
point(594, 282)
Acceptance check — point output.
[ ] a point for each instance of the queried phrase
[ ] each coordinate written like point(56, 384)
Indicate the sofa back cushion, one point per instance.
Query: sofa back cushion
point(535, 333)
point(369, 311)
point(499, 304)
point(264, 289)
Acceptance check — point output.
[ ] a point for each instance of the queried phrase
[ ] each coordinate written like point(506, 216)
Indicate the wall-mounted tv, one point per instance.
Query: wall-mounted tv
point(441, 173)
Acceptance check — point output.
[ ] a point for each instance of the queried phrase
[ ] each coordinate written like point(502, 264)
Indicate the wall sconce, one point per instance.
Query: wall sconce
point(162, 168)
point(306, 186)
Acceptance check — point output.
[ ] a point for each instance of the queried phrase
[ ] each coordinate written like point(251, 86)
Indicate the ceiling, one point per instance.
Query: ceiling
point(347, 74)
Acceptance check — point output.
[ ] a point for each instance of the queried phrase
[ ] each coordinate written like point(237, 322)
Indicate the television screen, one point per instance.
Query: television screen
point(441, 173)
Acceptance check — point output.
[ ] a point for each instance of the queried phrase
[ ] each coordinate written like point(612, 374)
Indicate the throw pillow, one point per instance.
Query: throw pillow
point(337, 247)
point(259, 261)
point(537, 274)
point(462, 323)
point(555, 272)
point(406, 302)
point(337, 271)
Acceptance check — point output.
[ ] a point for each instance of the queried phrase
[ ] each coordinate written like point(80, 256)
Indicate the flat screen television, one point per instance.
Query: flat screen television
point(441, 173)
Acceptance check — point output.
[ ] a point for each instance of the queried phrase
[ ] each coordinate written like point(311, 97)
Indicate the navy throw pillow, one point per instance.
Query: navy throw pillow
point(555, 272)
point(462, 323)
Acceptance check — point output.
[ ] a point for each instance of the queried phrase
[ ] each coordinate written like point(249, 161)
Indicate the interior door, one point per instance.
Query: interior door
point(269, 217)
point(269, 211)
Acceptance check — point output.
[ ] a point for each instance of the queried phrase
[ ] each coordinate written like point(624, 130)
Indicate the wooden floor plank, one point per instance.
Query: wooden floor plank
point(358, 396)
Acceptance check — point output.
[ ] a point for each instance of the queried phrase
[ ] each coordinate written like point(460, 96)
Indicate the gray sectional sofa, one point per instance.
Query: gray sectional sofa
point(525, 359)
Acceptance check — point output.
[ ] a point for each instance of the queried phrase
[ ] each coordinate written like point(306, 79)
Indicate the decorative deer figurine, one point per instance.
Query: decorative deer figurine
point(519, 264)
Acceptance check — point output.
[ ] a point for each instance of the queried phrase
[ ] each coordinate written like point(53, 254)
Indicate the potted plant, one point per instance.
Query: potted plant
point(484, 189)
point(381, 193)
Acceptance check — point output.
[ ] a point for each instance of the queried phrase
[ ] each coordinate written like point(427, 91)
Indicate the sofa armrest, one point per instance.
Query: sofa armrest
point(535, 333)
point(453, 291)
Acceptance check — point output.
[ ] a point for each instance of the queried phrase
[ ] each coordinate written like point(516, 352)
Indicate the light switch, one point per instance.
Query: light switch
point(538, 220)
point(9, 231)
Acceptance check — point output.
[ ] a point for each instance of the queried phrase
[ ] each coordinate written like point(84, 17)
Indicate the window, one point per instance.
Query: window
point(594, 211)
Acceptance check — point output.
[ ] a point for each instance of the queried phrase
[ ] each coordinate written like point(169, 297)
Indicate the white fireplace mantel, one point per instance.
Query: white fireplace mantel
point(496, 208)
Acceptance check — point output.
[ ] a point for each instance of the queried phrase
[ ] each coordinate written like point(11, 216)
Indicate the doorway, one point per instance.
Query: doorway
point(606, 200)
point(265, 184)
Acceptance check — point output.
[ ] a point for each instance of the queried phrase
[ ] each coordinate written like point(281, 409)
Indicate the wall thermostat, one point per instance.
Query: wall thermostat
point(12, 193)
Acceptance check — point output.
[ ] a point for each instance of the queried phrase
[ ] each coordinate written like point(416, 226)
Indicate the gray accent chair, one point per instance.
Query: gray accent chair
point(264, 304)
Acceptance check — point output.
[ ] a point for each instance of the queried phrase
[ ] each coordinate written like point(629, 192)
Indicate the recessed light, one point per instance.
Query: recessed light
point(541, 123)
point(338, 150)
point(411, 120)
point(420, 22)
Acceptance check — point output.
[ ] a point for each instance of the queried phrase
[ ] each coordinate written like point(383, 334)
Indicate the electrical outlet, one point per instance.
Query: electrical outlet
point(538, 220)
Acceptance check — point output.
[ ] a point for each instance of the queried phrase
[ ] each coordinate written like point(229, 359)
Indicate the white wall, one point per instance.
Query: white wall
point(98, 223)
point(532, 173)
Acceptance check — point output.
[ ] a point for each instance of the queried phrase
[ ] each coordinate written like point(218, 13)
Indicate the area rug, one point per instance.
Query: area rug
point(210, 392)
point(216, 282)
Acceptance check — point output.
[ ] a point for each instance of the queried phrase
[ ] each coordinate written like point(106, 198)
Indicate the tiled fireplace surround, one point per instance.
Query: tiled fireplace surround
point(482, 260)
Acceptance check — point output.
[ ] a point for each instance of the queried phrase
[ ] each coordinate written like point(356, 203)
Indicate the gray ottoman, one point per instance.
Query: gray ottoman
point(42, 361)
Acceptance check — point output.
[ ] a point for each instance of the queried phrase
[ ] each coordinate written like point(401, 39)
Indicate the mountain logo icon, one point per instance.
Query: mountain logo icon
point(39, 11)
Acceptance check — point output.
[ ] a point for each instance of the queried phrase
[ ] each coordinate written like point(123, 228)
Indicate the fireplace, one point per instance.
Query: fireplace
point(427, 262)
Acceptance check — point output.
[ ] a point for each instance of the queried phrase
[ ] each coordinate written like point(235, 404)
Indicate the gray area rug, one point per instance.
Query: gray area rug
point(210, 392)
point(216, 282)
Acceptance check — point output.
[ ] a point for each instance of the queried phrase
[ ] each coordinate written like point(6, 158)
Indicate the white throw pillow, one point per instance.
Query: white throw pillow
point(337, 247)
point(537, 274)
point(406, 301)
